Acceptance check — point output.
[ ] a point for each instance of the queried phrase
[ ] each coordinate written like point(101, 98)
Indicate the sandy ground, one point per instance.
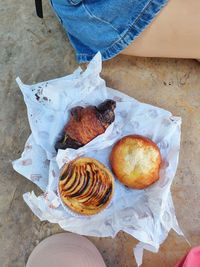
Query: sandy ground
point(38, 50)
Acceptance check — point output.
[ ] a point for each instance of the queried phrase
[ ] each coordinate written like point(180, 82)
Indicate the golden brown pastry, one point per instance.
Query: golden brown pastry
point(136, 161)
point(85, 124)
point(86, 186)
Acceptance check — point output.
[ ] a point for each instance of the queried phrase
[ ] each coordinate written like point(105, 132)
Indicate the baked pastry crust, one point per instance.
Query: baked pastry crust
point(85, 124)
point(86, 186)
point(136, 161)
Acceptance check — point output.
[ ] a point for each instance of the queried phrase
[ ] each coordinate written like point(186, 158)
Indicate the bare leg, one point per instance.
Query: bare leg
point(175, 32)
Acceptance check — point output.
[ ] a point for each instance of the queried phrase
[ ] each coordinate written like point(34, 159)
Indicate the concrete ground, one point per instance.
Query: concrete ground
point(37, 50)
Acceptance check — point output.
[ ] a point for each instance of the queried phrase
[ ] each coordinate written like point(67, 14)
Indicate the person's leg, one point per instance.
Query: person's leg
point(175, 32)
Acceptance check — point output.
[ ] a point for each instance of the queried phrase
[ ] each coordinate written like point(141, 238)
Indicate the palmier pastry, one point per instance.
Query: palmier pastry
point(136, 161)
point(85, 124)
point(86, 186)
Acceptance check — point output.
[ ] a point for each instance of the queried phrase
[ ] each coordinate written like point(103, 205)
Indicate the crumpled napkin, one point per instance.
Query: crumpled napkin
point(148, 215)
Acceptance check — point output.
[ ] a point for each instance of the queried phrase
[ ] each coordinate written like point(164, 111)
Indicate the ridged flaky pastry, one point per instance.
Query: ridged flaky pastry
point(86, 186)
point(136, 161)
point(85, 124)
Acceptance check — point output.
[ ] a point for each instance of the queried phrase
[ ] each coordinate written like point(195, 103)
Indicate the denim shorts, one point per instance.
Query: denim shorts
point(107, 26)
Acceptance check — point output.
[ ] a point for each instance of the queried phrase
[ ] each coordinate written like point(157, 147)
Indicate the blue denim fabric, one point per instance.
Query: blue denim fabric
point(107, 26)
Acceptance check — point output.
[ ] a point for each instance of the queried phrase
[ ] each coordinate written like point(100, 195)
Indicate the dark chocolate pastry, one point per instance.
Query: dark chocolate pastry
point(85, 124)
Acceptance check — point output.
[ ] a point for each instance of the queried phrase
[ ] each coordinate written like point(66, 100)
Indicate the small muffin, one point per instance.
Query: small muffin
point(86, 186)
point(136, 161)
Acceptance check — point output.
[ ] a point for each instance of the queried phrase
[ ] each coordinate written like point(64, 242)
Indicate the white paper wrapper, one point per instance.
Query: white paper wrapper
point(147, 215)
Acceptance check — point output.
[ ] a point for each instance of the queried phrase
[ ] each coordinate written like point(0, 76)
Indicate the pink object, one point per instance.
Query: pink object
point(191, 259)
point(65, 250)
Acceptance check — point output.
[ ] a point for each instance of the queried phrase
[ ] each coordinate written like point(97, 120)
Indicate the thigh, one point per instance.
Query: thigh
point(175, 32)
